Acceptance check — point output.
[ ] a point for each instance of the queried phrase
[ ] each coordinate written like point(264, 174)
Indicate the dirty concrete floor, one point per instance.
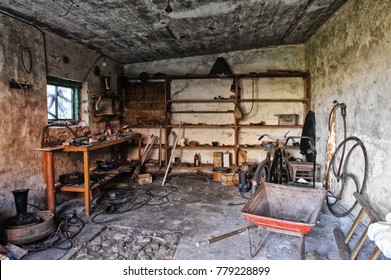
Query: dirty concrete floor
point(200, 210)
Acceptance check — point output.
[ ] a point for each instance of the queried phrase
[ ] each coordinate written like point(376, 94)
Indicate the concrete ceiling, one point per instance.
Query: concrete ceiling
point(132, 31)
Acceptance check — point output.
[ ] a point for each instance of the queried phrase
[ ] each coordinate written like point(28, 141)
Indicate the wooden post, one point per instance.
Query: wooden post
point(87, 194)
point(49, 179)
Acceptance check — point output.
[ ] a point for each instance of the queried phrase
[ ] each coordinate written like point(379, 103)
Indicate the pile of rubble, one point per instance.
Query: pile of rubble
point(126, 243)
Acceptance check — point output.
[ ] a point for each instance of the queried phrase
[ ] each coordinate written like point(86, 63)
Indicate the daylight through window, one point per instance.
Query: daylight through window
point(62, 101)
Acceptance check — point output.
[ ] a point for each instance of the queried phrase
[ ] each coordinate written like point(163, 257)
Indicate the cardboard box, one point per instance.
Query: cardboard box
point(230, 179)
point(143, 179)
point(287, 119)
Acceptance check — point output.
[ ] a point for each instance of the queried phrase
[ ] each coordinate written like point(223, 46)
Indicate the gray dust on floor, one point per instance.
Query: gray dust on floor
point(188, 211)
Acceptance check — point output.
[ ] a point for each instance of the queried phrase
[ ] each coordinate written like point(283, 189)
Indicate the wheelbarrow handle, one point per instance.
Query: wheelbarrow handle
point(224, 236)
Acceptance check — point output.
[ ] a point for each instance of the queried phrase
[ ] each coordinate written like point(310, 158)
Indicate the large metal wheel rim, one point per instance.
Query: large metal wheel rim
point(358, 143)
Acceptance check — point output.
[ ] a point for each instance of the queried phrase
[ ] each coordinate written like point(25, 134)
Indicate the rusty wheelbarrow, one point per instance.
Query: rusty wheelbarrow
point(279, 208)
point(284, 209)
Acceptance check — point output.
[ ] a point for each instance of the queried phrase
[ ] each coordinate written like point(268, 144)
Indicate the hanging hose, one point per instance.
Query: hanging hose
point(252, 98)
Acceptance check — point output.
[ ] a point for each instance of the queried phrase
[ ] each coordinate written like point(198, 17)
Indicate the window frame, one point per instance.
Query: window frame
point(74, 86)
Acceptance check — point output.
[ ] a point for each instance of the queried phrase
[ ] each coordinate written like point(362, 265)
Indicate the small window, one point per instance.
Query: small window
point(62, 100)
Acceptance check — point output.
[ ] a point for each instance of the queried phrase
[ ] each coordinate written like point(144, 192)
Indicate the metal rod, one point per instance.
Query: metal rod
point(224, 236)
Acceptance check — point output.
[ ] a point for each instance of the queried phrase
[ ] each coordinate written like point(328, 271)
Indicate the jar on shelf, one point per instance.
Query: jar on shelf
point(171, 138)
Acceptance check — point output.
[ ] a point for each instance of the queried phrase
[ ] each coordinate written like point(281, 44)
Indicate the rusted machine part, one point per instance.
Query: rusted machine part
point(331, 144)
point(224, 236)
point(30, 233)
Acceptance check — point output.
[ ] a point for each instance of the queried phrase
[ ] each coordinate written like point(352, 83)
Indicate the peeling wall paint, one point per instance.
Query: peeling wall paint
point(349, 59)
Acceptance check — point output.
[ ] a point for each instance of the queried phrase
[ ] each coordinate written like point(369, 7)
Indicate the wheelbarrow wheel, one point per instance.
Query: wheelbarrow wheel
point(349, 153)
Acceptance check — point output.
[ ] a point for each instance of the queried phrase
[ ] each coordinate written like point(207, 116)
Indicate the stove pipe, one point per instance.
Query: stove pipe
point(20, 197)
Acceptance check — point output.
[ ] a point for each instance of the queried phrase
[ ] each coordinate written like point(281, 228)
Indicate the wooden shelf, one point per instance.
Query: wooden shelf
point(278, 100)
point(202, 112)
point(108, 175)
point(269, 74)
point(237, 126)
point(258, 146)
point(201, 101)
point(203, 125)
point(204, 147)
point(268, 126)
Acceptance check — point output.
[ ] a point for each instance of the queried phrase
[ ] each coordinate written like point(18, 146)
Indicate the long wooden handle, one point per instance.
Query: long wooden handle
point(172, 156)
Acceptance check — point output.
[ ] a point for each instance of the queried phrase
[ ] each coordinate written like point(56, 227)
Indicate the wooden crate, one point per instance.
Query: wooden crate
point(143, 179)
point(217, 159)
point(230, 179)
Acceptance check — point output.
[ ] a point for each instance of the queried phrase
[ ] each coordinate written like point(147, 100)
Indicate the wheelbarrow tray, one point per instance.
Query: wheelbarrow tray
point(286, 208)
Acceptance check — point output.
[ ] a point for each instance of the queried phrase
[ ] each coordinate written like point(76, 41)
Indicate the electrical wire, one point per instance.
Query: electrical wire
point(62, 238)
point(36, 27)
point(122, 200)
point(30, 62)
point(133, 92)
point(252, 99)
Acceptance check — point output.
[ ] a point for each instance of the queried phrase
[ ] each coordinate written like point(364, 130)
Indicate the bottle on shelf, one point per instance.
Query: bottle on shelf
point(196, 160)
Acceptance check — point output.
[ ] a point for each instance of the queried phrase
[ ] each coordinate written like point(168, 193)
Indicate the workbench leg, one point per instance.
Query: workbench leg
point(49, 179)
point(140, 141)
point(87, 194)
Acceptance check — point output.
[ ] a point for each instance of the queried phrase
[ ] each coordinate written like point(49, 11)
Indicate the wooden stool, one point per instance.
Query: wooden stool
point(303, 170)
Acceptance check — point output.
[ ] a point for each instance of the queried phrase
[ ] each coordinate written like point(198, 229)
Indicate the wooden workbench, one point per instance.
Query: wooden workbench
point(48, 166)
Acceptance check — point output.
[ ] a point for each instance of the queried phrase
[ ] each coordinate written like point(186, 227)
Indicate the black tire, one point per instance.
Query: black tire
point(334, 200)
point(262, 172)
point(276, 169)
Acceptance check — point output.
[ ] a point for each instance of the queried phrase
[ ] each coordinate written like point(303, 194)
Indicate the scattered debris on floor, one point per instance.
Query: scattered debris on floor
point(130, 243)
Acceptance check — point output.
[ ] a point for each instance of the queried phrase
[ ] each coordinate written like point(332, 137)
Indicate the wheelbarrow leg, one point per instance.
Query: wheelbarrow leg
point(299, 252)
point(302, 247)
point(257, 246)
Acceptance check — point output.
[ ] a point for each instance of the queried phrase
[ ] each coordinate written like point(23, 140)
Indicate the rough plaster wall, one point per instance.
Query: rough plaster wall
point(241, 62)
point(349, 59)
point(23, 114)
point(79, 68)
